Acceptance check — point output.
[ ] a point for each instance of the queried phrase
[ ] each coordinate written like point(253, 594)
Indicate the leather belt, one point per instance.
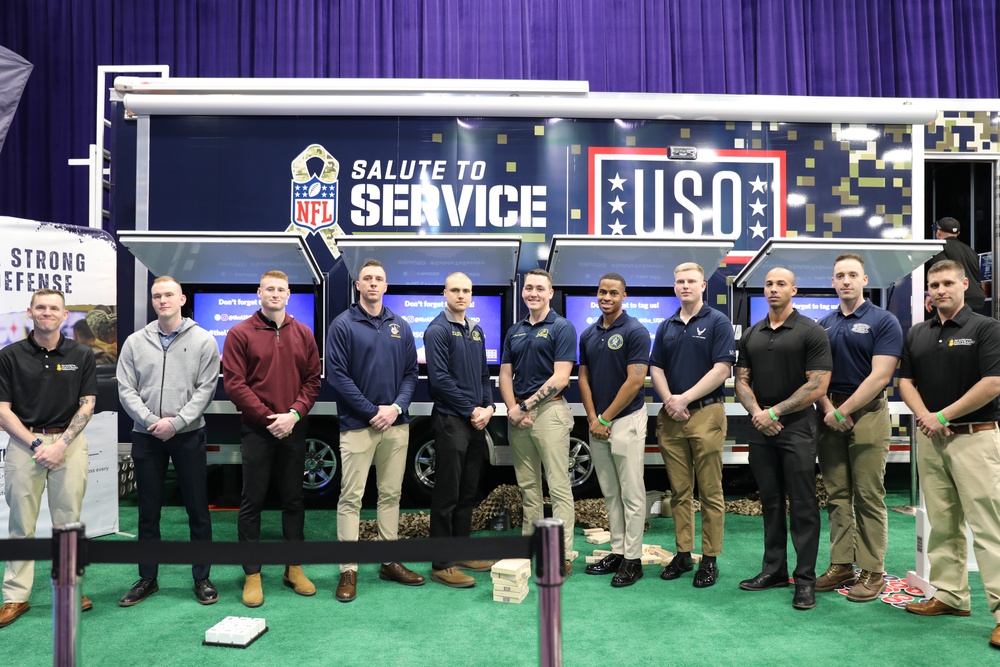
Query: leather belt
point(47, 431)
point(705, 402)
point(969, 429)
point(522, 399)
point(840, 398)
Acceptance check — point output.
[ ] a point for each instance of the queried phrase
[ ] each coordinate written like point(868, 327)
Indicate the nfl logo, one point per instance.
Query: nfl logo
point(314, 189)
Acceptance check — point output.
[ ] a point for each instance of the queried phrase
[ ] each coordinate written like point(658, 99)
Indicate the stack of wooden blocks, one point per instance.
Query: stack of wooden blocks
point(652, 554)
point(510, 579)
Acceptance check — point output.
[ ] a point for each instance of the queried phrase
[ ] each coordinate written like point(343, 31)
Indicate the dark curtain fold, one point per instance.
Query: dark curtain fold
point(912, 48)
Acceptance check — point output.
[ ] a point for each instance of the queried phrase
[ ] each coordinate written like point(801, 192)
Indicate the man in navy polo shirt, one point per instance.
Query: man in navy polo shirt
point(866, 342)
point(950, 378)
point(693, 354)
point(459, 383)
point(538, 357)
point(371, 363)
point(614, 358)
point(783, 368)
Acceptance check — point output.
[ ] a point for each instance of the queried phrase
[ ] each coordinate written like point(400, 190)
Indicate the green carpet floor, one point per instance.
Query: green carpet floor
point(652, 623)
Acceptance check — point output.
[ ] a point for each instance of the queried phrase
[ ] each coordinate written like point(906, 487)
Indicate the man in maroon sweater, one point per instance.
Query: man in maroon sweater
point(271, 369)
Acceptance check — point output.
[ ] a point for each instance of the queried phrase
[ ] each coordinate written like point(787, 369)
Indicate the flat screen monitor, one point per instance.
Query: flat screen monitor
point(218, 312)
point(815, 306)
point(418, 310)
point(583, 310)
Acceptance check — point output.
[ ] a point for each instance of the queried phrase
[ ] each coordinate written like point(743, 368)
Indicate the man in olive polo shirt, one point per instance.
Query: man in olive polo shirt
point(614, 359)
point(783, 368)
point(950, 379)
point(538, 357)
point(48, 390)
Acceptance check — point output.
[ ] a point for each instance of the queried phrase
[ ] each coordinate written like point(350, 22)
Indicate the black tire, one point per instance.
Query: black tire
point(418, 480)
point(321, 475)
point(582, 478)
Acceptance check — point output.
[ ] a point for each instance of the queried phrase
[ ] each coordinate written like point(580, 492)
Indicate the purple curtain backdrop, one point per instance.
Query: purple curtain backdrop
point(882, 48)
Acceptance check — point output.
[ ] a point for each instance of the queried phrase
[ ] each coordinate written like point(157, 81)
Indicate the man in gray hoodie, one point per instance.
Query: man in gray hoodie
point(167, 372)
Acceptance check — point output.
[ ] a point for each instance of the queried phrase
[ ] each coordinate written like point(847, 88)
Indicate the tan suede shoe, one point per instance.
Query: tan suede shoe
point(297, 580)
point(253, 593)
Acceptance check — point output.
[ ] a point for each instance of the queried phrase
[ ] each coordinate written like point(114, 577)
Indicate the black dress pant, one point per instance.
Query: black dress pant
point(459, 449)
point(786, 465)
point(265, 456)
point(151, 456)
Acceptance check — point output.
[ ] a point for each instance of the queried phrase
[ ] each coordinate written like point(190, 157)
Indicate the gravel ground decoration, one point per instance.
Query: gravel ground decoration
point(590, 513)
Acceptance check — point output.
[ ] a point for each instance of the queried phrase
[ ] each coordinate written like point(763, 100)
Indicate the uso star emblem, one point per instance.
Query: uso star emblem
point(615, 342)
point(394, 330)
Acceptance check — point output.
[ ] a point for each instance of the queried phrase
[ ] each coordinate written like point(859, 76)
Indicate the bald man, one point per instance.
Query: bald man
point(783, 368)
point(459, 383)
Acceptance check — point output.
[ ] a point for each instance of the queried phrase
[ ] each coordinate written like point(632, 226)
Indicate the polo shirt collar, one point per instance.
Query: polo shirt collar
point(549, 318)
point(617, 323)
point(361, 314)
point(859, 312)
point(702, 312)
point(789, 321)
point(451, 318)
point(38, 348)
point(961, 318)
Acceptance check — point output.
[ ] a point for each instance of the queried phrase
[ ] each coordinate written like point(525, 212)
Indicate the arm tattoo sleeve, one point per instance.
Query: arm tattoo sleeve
point(804, 395)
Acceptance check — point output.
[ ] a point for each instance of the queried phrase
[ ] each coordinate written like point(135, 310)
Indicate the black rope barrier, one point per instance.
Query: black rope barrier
point(277, 553)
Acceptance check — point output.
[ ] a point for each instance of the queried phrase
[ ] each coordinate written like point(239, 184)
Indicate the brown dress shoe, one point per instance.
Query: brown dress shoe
point(297, 580)
point(400, 574)
point(569, 567)
point(11, 611)
point(995, 637)
point(347, 589)
point(85, 603)
point(253, 592)
point(934, 607)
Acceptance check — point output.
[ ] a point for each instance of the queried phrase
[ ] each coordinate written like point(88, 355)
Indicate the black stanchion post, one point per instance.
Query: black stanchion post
point(67, 566)
point(549, 575)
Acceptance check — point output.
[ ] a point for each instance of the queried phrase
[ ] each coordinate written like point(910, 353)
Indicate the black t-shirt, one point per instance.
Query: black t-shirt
point(779, 358)
point(44, 388)
point(946, 360)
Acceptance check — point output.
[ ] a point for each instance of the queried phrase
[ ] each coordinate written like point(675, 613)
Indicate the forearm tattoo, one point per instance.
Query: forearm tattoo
point(541, 396)
point(744, 394)
point(80, 419)
point(804, 395)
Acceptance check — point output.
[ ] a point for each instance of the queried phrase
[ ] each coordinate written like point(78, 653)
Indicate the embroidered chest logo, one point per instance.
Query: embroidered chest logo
point(956, 342)
point(615, 342)
point(66, 367)
point(700, 333)
point(476, 336)
point(542, 333)
point(394, 330)
point(860, 328)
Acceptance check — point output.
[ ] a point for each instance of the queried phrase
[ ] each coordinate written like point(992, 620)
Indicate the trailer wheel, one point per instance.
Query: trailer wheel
point(582, 479)
point(321, 467)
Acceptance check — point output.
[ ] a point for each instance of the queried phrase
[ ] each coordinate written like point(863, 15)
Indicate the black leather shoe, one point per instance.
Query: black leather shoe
point(805, 596)
point(678, 566)
point(607, 565)
point(764, 581)
point(205, 592)
point(629, 573)
point(706, 575)
point(140, 590)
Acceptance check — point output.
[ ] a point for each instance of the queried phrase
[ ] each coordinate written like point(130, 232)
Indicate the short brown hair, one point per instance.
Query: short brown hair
point(370, 262)
point(47, 291)
point(689, 266)
point(948, 265)
point(540, 272)
point(274, 273)
point(167, 279)
point(850, 255)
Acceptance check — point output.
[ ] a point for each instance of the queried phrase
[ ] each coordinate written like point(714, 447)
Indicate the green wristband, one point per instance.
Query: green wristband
point(601, 420)
point(840, 417)
point(295, 412)
point(770, 411)
point(943, 420)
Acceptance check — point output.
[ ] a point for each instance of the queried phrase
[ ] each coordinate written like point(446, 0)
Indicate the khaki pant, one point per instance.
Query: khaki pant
point(853, 467)
point(357, 450)
point(24, 483)
point(960, 478)
point(545, 445)
point(692, 451)
point(618, 464)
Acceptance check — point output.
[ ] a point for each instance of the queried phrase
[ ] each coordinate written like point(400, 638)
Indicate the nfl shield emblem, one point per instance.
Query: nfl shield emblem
point(314, 189)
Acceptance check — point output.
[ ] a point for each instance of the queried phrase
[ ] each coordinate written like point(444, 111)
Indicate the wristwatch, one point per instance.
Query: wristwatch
point(523, 405)
point(36, 444)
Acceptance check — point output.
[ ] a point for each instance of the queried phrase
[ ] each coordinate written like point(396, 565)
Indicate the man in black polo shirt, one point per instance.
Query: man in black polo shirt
point(693, 354)
point(614, 358)
point(950, 378)
point(783, 368)
point(538, 357)
point(459, 383)
point(48, 389)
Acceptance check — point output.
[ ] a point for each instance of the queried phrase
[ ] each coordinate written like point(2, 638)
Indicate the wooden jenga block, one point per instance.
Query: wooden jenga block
point(601, 553)
point(511, 566)
point(599, 538)
point(591, 531)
